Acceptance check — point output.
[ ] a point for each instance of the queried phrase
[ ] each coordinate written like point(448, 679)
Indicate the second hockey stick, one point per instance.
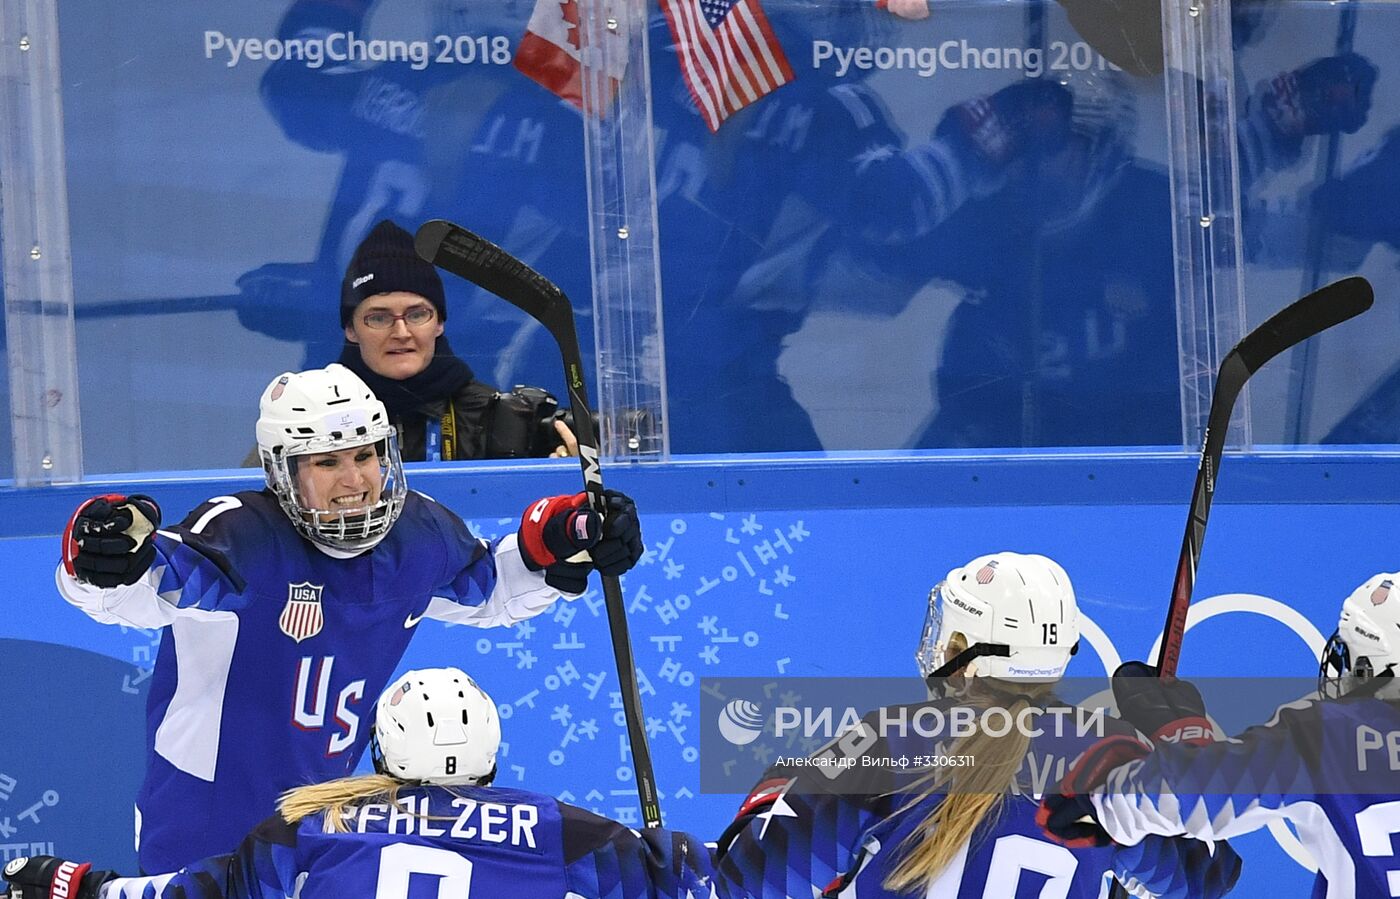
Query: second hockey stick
point(1313, 314)
point(456, 250)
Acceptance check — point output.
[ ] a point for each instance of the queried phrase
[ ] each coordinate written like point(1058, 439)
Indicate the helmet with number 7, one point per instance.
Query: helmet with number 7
point(303, 416)
point(1006, 615)
point(436, 726)
point(1366, 644)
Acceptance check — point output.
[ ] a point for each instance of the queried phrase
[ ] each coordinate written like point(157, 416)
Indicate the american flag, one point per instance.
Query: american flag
point(728, 52)
point(1381, 593)
point(986, 573)
point(301, 617)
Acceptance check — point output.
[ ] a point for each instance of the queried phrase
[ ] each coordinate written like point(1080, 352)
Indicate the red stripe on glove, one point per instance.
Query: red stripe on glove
point(533, 521)
point(70, 543)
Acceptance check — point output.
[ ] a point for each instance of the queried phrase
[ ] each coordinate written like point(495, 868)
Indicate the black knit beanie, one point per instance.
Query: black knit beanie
point(385, 262)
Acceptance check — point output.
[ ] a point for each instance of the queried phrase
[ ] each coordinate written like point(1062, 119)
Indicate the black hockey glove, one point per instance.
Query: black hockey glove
point(1066, 813)
point(1166, 710)
point(621, 545)
point(110, 540)
point(552, 531)
point(47, 877)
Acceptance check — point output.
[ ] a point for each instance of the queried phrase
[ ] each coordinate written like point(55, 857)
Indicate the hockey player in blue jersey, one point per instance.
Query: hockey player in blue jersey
point(999, 634)
point(1327, 764)
point(284, 610)
point(428, 817)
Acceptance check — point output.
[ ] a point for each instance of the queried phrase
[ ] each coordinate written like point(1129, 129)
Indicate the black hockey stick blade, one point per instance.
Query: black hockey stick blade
point(454, 249)
point(1313, 314)
point(473, 258)
point(486, 265)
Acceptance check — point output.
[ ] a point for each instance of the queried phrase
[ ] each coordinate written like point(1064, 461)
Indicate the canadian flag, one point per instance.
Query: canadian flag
point(553, 50)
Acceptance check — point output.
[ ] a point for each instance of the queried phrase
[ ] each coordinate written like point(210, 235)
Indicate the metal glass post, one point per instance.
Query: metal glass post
point(620, 161)
point(35, 238)
point(1206, 233)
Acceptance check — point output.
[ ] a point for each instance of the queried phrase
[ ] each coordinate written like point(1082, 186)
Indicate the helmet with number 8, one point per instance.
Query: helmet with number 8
point(1367, 641)
point(436, 726)
point(325, 411)
point(1006, 615)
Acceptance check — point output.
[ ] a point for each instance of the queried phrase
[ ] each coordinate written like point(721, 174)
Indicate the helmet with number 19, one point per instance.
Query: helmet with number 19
point(1006, 615)
point(331, 457)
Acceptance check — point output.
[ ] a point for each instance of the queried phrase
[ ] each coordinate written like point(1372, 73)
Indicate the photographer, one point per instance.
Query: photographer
point(392, 310)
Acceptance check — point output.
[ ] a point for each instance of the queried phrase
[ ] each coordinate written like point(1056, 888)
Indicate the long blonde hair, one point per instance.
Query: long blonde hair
point(974, 793)
point(334, 797)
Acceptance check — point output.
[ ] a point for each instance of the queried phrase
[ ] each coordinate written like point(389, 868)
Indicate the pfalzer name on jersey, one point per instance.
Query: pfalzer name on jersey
point(462, 817)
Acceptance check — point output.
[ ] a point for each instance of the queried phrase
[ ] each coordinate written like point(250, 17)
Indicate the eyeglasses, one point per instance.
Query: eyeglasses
point(383, 320)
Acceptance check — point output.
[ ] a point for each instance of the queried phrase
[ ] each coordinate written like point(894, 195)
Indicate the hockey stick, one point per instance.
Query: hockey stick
point(456, 250)
point(1313, 314)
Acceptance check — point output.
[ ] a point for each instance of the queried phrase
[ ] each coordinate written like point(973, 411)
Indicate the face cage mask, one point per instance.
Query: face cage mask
point(928, 656)
point(355, 530)
point(932, 660)
point(1338, 675)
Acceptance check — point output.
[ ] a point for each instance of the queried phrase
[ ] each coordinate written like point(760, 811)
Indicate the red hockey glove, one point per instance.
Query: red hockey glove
point(554, 529)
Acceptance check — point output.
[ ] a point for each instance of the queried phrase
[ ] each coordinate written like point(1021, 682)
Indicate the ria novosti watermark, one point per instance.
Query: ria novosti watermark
point(880, 735)
point(742, 721)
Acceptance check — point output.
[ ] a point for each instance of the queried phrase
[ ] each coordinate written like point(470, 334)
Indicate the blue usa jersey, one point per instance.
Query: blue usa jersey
point(839, 831)
point(273, 652)
point(445, 841)
point(1332, 769)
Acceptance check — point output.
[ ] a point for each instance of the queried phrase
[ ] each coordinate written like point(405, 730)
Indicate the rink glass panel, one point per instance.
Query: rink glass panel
point(1319, 149)
point(215, 202)
point(952, 232)
point(947, 233)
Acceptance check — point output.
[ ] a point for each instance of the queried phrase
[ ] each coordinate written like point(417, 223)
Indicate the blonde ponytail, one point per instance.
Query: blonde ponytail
point(974, 793)
point(334, 796)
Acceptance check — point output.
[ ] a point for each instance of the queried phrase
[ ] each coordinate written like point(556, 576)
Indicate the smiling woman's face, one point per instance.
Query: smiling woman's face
point(400, 350)
point(342, 481)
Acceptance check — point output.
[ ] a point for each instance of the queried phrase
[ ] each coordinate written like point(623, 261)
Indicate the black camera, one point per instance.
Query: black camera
point(520, 424)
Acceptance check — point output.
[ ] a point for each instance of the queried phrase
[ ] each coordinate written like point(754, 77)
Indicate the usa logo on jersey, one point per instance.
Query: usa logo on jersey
point(301, 616)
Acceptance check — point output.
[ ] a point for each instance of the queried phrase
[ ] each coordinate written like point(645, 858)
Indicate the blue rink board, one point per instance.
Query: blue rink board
point(752, 570)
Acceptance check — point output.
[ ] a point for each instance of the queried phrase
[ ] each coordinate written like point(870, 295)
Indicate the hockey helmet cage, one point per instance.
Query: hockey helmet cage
point(322, 411)
point(1366, 643)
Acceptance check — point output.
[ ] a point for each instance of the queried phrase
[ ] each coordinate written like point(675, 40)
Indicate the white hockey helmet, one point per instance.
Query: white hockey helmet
point(1367, 641)
point(436, 726)
point(325, 410)
point(1006, 615)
